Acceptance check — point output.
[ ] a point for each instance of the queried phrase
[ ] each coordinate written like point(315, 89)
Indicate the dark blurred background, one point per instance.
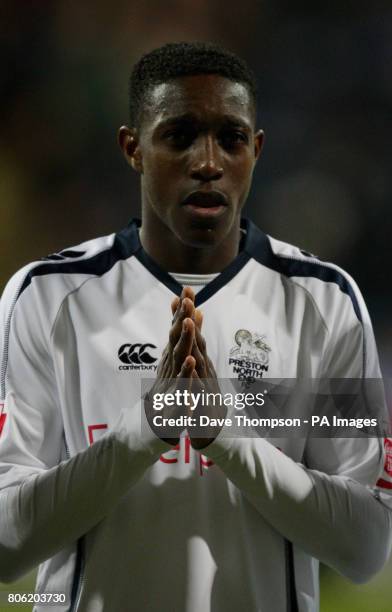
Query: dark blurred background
point(323, 182)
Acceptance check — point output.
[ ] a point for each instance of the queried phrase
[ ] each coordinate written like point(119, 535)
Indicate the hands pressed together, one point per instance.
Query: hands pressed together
point(186, 365)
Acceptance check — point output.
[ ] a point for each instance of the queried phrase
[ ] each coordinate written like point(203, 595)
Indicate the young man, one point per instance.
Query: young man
point(118, 518)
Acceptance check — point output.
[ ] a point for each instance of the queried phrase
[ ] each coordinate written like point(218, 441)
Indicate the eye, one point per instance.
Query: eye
point(231, 139)
point(180, 138)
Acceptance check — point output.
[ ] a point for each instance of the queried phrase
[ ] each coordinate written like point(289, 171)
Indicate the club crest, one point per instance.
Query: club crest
point(249, 357)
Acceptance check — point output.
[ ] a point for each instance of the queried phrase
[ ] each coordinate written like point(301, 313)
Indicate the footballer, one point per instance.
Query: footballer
point(120, 517)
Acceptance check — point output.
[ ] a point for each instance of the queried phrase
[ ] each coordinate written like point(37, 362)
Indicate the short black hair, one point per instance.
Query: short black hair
point(175, 60)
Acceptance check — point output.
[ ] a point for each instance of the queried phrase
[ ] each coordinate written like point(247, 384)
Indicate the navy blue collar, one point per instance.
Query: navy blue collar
point(252, 241)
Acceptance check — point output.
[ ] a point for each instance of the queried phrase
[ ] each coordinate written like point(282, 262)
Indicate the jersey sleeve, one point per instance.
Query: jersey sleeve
point(323, 503)
point(351, 353)
point(47, 500)
point(31, 435)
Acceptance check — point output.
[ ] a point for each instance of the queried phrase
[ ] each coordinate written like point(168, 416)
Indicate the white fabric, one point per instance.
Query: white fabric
point(164, 528)
point(196, 281)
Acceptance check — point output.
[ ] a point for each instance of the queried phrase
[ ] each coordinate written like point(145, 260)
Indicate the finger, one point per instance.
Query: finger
point(198, 318)
point(164, 365)
point(187, 368)
point(185, 311)
point(189, 293)
point(185, 308)
point(186, 374)
point(201, 343)
point(183, 347)
point(206, 368)
point(200, 361)
point(175, 304)
point(197, 383)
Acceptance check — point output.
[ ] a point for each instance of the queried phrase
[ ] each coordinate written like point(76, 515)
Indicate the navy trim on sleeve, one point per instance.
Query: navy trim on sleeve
point(259, 247)
point(124, 245)
point(255, 245)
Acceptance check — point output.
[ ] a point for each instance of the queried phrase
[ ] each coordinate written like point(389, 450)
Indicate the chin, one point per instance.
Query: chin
point(205, 235)
point(201, 239)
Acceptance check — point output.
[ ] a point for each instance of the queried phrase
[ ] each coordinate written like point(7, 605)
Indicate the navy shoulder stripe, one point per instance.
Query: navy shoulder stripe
point(259, 247)
point(124, 245)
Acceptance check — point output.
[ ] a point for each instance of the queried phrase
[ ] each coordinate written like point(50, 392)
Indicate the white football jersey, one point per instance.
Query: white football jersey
point(120, 522)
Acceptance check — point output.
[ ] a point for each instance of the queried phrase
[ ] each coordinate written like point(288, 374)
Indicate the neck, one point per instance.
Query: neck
point(173, 255)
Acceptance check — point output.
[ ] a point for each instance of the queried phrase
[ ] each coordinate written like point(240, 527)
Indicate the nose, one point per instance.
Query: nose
point(206, 163)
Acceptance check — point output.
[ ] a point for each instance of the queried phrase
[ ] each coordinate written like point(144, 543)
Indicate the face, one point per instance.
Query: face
point(195, 150)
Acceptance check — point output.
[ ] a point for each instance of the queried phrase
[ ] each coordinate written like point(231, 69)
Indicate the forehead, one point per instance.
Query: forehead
point(204, 96)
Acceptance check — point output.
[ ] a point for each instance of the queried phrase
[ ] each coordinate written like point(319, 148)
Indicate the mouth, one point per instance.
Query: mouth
point(205, 204)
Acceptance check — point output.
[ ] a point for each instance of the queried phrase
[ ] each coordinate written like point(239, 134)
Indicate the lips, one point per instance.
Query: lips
point(205, 206)
point(205, 199)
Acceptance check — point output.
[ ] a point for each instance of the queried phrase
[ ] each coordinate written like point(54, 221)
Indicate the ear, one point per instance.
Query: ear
point(258, 142)
point(128, 140)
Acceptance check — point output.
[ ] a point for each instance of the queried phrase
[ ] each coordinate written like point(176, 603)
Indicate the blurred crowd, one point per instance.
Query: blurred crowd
point(325, 96)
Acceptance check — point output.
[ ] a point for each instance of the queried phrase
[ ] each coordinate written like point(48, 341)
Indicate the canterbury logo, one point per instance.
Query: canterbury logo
point(136, 354)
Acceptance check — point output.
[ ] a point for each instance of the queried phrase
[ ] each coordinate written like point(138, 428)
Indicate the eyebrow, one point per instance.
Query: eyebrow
point(189, 118)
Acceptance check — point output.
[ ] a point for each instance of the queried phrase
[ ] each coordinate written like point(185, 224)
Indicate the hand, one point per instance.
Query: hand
point(204, 380)
point(177, 362)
